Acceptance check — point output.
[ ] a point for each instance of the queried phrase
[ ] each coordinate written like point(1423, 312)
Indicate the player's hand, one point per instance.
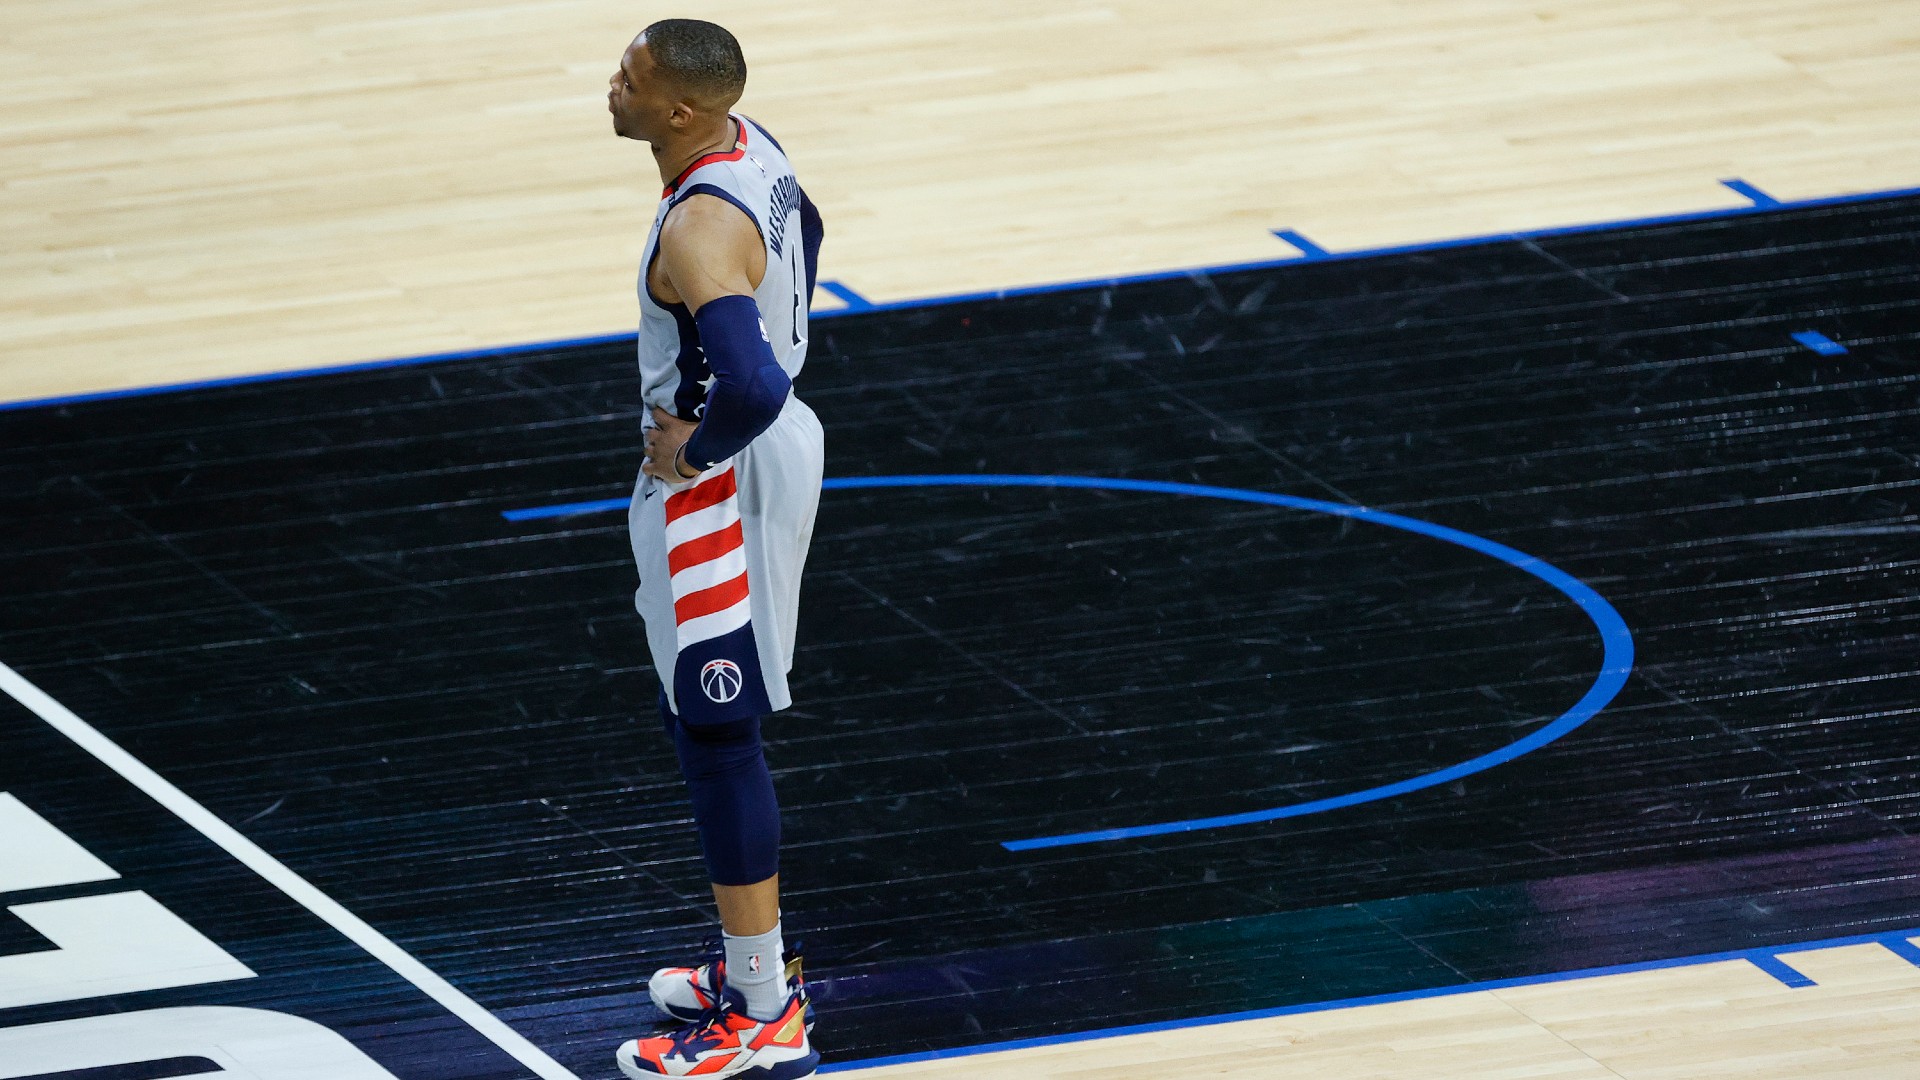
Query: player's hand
point(664, 440)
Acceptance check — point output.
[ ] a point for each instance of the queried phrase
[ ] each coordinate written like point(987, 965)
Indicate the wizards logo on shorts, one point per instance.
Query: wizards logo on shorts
point(720, 680)
point(716, 674)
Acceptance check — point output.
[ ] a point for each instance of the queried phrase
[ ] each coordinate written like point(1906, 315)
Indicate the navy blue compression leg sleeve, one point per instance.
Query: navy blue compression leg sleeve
point(733, 803)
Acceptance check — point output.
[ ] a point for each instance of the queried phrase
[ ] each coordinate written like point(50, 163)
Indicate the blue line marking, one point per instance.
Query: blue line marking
point(853, 300)
point(1778, 968)
point(1902, 948)
point(302, 373)
point(998, 294)
point(1820, 343)
point(1371, 253)
point(1759, 198)
point(1769, 952)
point(566, 509)
point(1616, 661)
point(1307, 247)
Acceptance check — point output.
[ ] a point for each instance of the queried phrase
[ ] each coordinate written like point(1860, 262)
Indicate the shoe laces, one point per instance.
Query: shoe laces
point(713, 954)
point(704, 1034)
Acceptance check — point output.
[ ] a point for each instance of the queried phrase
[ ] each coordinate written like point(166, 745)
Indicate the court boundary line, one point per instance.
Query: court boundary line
point(1320, 255)
point(277, 874)
point(1897, 941)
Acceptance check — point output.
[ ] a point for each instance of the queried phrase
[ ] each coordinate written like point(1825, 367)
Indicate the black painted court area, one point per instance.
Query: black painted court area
point(299, 601)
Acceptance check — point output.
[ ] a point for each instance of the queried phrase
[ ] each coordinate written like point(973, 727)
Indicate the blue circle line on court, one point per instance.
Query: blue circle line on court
point(1616, 660)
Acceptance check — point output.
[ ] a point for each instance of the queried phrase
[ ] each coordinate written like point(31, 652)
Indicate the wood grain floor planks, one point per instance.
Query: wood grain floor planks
point(230, 188)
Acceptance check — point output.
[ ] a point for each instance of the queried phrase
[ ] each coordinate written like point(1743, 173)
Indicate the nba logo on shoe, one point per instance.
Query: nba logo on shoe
point(720, 680)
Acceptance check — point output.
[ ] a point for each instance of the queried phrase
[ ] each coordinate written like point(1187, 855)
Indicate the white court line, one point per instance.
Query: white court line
point(302, 891)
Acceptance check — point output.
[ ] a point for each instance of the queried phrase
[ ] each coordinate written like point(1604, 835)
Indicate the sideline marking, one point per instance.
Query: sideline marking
point(330, 369)
point(1759, 198)
point(1339, 1004)
point(1616, 660)
point(853, 300)
point(994, 294)
point(1902, 948)
point(1781, 970)
point(1308, 248)
point(276, 873)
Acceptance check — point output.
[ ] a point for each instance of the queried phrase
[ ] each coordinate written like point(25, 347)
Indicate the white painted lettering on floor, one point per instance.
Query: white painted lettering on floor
point(121, 943)
point(38, 856)
point(243, 1042)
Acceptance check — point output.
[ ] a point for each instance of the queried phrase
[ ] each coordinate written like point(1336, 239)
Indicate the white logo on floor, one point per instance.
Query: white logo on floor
point(126, 942)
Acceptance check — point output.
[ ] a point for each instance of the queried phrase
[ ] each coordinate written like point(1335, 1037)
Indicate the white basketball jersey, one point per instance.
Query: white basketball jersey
point(755, 177)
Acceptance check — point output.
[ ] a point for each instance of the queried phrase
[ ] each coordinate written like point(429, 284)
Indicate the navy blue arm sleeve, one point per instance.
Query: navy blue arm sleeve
point(748, 389)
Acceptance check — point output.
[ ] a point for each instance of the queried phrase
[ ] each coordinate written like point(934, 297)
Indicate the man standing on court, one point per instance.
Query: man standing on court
point(721, 519)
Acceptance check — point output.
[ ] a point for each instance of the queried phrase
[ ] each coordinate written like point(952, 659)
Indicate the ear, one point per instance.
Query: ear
point(680, 116)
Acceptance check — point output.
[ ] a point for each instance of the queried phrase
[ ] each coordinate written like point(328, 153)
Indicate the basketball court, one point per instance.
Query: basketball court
point(1372, 542)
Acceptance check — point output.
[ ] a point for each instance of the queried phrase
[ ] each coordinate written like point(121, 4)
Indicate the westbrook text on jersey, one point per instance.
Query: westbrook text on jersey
point(786, 200)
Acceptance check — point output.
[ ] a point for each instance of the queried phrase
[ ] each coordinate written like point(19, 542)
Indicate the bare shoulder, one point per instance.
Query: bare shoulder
point(706, 220)
point(708, 248)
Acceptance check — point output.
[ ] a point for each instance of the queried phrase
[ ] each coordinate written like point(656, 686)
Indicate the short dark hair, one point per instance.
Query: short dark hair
point(699, 57)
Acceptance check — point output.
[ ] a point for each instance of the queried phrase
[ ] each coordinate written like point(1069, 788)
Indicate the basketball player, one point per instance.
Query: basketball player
point(722, 515)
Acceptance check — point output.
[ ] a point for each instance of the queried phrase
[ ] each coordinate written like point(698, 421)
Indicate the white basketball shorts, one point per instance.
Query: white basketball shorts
point(720, 561)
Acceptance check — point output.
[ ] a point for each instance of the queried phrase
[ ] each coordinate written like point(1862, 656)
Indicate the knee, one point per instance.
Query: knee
point(710, 750)
point(728, 733)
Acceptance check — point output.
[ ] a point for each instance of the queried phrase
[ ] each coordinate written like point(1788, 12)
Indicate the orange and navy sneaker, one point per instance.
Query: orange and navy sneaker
point(687, 993)
point(726, 1042)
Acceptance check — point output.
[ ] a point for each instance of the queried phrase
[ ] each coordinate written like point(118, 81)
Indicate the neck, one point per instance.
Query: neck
point(675, 155)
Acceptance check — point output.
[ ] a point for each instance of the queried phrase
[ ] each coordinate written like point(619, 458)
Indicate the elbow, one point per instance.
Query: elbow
point(770, 389)
point(738, 411)
point(749, 387)
point(756, 403)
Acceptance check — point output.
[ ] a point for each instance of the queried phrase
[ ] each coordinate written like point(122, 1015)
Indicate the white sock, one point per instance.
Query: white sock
point(756, 971)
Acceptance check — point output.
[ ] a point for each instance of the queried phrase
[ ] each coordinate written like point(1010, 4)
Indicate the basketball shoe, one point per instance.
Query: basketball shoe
point(686, 993)
point(726, 1042)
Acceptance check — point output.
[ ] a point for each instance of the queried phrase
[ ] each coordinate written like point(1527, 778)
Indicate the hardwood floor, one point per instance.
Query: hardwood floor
point(234, 188)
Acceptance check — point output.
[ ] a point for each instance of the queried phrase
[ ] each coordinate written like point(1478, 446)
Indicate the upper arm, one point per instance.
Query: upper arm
point(709, 249)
